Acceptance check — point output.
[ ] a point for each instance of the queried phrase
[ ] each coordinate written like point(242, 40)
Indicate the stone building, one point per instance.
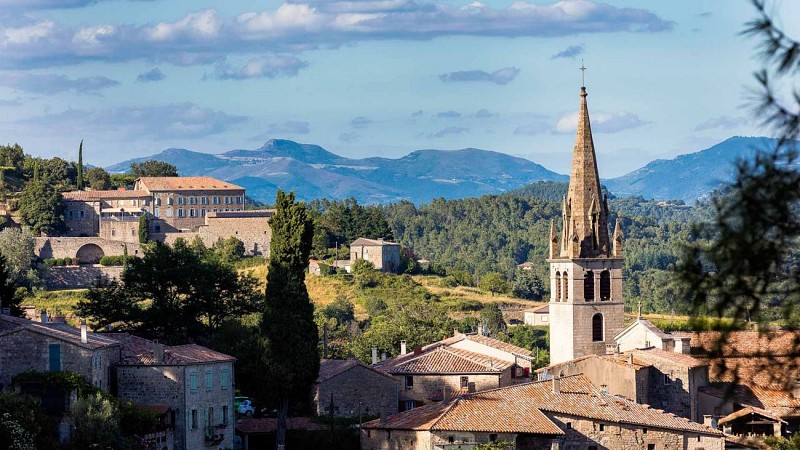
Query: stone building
point(643, 334)
point(43, 346)
point(563, 413)
point(196, 383)
point(459, 363)
point(112, 214)
point(182, 203)
point(384, 255)
point(586, 306)
point(251, 227)
point(355, 390)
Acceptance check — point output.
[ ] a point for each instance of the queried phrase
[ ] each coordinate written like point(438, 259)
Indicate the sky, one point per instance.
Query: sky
point(383, 78)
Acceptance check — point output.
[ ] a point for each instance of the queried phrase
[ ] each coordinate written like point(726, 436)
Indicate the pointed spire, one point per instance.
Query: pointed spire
point(617, 245)
point(588, 217)
point(554, 249)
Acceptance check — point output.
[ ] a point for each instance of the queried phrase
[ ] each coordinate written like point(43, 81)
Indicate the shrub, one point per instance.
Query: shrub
point(116, 260)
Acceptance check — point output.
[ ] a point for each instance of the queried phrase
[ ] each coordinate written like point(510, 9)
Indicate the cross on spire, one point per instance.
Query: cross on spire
point(583, 74)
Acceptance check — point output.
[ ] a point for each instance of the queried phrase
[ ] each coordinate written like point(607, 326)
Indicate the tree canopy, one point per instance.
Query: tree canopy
point(42, 208)
point(153, 168)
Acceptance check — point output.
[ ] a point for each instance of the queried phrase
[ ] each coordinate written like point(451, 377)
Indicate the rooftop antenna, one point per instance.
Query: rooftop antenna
point(583, 74)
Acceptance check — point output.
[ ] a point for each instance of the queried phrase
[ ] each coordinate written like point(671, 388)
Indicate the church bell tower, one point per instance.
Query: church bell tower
point(586, 305)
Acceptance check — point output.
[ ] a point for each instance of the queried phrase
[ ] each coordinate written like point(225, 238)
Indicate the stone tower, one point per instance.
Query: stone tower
point(586, 306)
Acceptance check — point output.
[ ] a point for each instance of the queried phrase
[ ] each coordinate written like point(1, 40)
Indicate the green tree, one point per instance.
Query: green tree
point(8, 289)
point(98, 179)
point(144, 229)
point(230, 249)
point(364, 273)
point(79, 180)
point(782, 443)
point(16, 245)
point(153, 168)
point(12, 156)
point(291, 356)
point(492, 319)
point(496, 445)
point(175, 294)
point(95, 422)
point(42, 208)
point(493, 282)
point(748, 259)
point(527, 285)
point(122, 180)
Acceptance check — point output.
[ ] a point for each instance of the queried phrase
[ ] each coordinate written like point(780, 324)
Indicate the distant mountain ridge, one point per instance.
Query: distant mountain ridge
point(422, 175)
point(313, 172)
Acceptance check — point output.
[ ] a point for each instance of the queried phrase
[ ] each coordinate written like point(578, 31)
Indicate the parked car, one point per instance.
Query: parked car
point(246, 408)
point(238, 400)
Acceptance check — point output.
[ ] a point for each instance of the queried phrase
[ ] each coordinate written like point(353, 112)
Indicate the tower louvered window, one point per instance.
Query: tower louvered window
point(605, 285)
point(588, 286)
point(558, 286)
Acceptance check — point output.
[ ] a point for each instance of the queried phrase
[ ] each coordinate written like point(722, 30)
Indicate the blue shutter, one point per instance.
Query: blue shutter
point(55, 357)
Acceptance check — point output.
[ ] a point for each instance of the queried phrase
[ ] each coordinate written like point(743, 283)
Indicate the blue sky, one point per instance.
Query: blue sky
point(375, 77)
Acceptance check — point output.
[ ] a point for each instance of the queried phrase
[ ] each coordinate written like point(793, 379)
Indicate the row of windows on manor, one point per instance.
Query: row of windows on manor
point(213, 200)
point(192, 212)
point(562, 286)
point(211, 421)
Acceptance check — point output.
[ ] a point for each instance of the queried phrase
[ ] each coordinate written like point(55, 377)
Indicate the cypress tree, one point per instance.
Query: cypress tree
point(80, 167)
point(8, 298)
point(144, 226)
point(290, 354)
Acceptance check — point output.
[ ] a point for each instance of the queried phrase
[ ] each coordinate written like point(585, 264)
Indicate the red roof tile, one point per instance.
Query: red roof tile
point(445, 360)
point(184, 184)
point(655, 354)
point(139, 351)
point(372, 242)
point(329, 368)
point(60, 331)
point(88, 196)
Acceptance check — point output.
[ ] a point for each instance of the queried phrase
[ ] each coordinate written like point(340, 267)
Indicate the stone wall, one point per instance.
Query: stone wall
point(68, 247)
point(429, 388)
point(78, 277)
point(385, 258)
point(81, 218)
point(373, 439)
point(355, 390)
point(675, 388)
point(24, 350)
point(123, 230)
point(186, 210)
point(147, 385)
point(250, 227)
point(619, 378)
point(209, 397)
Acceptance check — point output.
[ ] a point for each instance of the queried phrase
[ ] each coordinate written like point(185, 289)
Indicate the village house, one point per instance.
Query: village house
point(384, 255)
point(464, 362)
point(562, 413)
point(354, 390)
point(194, 382)
point(538, 317)
point(26, 345)
point(746, 395)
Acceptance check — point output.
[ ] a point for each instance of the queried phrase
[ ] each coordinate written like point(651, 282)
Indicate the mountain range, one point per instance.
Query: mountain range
point(422, 175)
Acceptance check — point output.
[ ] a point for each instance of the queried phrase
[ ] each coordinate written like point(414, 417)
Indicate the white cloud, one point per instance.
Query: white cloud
point(499, 76)
point(50, 84)
point(272, 66)
point(205, 36)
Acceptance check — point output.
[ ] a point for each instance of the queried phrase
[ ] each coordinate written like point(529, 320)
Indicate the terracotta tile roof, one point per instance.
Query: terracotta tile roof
point(372, 242)
point(329, 368)
point(618, 358)
point(498, 344)
point(88, 196)
point(60, 331)
point(444, 360)
point(744, 343)
point(139, 351)
point(544, 309)
point(656, 354)
point(514, 409)
point(744, 412)
point(184, 184)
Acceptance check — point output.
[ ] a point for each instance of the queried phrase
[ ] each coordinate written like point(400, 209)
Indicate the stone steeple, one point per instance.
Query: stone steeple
point(585, 209)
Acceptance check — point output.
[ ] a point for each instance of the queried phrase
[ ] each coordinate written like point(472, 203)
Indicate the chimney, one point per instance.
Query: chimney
point(630, 358)
point(158, 352)
point(44, 316)
point(556, 385)
point(374, 355)
point(471, 387)
point(403, 347)
point(383, 356)
point(445, 395)
point(84, 333)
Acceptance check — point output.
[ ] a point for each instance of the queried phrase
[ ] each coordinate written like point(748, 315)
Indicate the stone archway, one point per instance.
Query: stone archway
point(89, 254)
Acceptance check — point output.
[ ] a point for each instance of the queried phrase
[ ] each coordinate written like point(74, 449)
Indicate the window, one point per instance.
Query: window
point(565, 277)
point(451, 439)
point(181, 200)
point(203, 212)
point(133, 232)
point(157, 212)
point(597, 328)
point(224, 414)
point(667, 379)
point(113, 232)
point(193, 380)
point(158, 201)
point(602, 427)
point(192, 200)
point(181, 213)
point(157, 228)
point(605, 285)
point(209, 380)
point(464, 382)
point(558, 286)
point(194, 419)
point(410, 404)
point(569, 425)
point(82, 214)
point(651, 446)
point(209, 420)
point(644, 431)
point(588, 286)
point(170, 201)
point(71, 214)
point(409, 382)
point(192, 212)
point(203, 200)
point(493, 437)
point(55, 357)
point(223, 379)
point(238, 200)
point(169, 212)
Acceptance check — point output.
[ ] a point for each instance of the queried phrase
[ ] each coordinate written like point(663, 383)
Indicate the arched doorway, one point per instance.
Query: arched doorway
point(89, 254)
